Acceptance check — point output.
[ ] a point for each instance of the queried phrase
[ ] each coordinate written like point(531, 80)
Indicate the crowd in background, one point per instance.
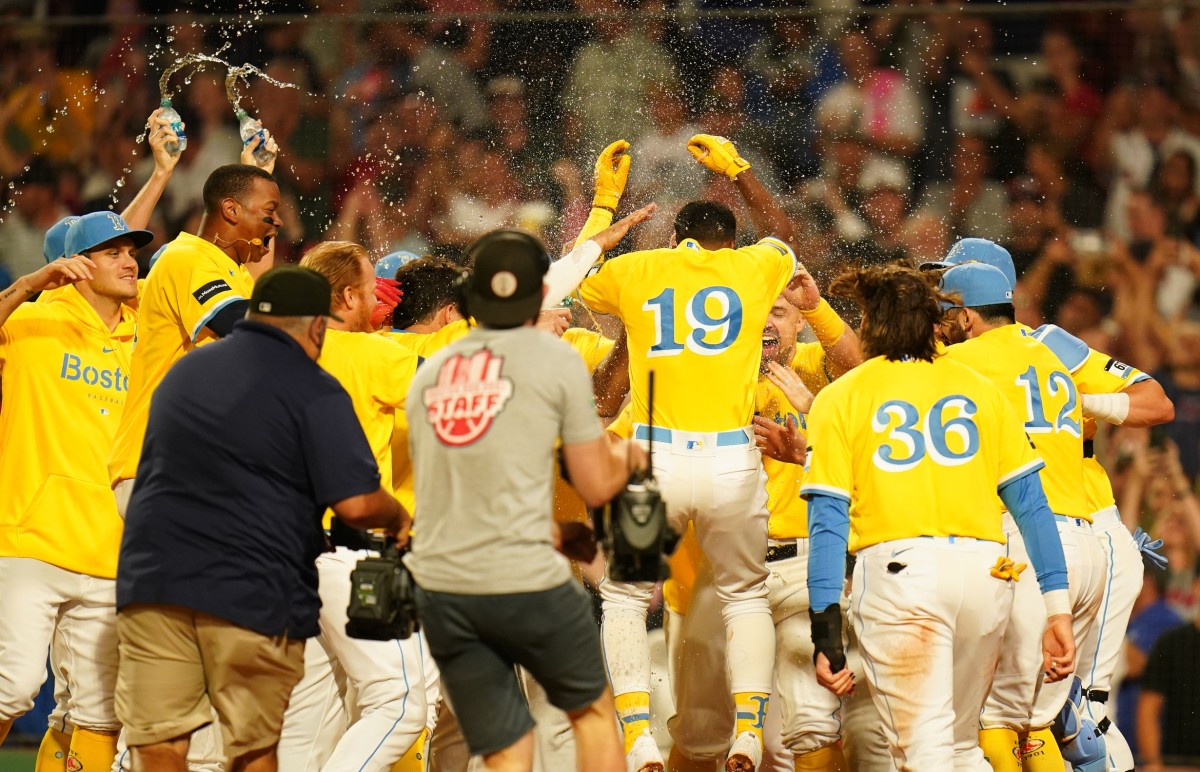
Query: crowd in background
point(1072, 139)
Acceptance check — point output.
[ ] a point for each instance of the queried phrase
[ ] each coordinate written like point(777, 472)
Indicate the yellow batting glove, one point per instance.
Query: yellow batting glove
point(612, 171)
point(718, 154)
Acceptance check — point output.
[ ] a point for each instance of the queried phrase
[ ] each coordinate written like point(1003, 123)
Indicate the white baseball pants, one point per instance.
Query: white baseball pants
point(929, 618)
point(385, 680)
point(1019, 699)
point(721, 490)
point(1122, 583)
point(40, 604)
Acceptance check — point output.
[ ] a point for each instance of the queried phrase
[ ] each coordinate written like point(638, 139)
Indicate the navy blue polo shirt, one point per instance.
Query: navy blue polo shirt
point(248, 442)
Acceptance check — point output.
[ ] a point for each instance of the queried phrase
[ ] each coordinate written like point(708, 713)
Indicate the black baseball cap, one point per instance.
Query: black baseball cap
point(291, 290)
point(505, 288)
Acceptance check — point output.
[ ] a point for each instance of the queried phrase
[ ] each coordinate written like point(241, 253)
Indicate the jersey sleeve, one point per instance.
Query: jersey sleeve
point(335, 449)
point(600, 290)
point(580, 423)
point(1094, 372)
point(23, 323)
point(775, 259)
point(830, 470)
point(396, 366)
point(1016, 458)
point(426, 344)
point(201, 294)
point(622, 425)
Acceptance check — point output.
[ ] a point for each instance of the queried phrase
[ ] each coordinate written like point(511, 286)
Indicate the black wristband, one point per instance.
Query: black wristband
point(827, 636)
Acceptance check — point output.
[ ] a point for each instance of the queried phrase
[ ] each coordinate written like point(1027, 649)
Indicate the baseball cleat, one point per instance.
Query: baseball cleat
point(746, 753)
point(644, 756)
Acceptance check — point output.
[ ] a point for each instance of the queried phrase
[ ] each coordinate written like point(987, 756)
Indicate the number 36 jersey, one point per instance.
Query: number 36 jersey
point(695, 316)
point(918, 449)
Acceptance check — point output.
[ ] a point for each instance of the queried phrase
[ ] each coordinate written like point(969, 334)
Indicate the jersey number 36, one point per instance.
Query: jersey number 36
point(911, 436)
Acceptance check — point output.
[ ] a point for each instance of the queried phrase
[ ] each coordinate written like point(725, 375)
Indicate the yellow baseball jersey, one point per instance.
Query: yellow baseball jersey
point(1094, 372)
point(917, 448)
point(1041, 391)
point(190, 283)
point(789, 512)
point(376, 373)
point(65, 379)
point(695, 316)
point(425, 344)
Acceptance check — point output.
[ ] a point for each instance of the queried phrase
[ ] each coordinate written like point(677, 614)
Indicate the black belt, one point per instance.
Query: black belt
point(781, 552)
point(342, 535)
point(1095, 695)
point(1089, 448)
point(1104, 724)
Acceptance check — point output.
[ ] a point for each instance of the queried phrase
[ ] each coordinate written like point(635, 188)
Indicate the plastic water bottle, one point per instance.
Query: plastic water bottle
point(250, 128)
point(174, 148)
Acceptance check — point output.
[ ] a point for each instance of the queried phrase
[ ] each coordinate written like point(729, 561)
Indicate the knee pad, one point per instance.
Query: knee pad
point(1087, 752)
point(1068, 722)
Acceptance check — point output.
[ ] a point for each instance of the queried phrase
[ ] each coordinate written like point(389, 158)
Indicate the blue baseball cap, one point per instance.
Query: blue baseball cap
point(978, 284)
point(94, 229)
point(54, 245)
point(386, 266)
point(978, 251)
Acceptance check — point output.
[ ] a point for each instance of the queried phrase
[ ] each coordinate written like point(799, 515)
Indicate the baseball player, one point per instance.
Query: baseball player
point(1114, 392)
point(908, 452)
point(694, 314)
point(385, 677)
point(982, 327)
point(197, 291)
point(59, 529)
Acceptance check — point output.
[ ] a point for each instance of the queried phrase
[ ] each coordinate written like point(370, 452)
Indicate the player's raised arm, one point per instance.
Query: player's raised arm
point(611, 174)
point(137, 214)
point(719, 155)
point(60, 273)
point(842, 349)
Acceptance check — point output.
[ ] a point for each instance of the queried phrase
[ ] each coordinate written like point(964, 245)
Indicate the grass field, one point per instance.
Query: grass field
point(17, 760)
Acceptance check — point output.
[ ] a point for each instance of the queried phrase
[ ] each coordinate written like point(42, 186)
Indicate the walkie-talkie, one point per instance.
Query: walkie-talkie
point(632, 528)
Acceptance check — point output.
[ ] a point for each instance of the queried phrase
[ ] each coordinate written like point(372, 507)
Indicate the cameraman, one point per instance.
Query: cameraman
point(484, 415)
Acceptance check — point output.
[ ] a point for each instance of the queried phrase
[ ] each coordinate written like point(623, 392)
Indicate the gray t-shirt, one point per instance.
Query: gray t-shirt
point(484, 415)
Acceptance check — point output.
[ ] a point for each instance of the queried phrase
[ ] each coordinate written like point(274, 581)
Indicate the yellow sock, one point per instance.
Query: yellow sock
point(751, 710)
point(633, 709)
point(52, 755)
point(1040, 753)
point(827, 759)
point(417, 758)
point(92, 750)
point(1002, 749)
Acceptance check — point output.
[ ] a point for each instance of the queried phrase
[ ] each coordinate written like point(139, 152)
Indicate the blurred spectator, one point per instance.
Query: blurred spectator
point(1170, 699)
point(1150, 619)
point(663, 170)
point(971, 204)
point(876, 106)
point(884, 208)
point(1174, 187)
point(52, 107)
point(38, 206)
point(1134, 151)
point(1180, 379)
point(605, 95)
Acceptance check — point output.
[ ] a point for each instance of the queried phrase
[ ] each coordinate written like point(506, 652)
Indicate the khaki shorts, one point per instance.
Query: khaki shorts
point(177, 665)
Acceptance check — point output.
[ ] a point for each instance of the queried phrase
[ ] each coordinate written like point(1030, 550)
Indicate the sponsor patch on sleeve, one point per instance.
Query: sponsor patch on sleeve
point(210, 290)
point(1119, 369)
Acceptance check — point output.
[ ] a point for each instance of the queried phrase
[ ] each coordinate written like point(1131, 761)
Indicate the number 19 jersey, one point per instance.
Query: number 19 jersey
point(695, 316)
point(918, 449)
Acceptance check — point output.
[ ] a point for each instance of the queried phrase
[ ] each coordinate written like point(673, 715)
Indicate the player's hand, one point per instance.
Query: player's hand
point(790, 384)
point(638, 459)
point(388, 295)
point(555, 321)
point(612, 235)
point(248, 158)
point(612, 172)
point(160, 134)
point(577, 541)
point(401, 531)
point(782, 442)
point(1058, 648)
point(802, 291)
point(60, 273)
point(718, 154)
point(840, 683)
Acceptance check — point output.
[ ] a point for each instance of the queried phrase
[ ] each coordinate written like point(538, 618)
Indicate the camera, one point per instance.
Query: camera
point(634, 533)
point(383, 604)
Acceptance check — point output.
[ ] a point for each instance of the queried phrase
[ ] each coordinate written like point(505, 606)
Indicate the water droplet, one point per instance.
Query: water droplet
point(120, 183)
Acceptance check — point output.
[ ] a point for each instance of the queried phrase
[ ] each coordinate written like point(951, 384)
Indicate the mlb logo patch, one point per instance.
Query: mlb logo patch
point(695, 444)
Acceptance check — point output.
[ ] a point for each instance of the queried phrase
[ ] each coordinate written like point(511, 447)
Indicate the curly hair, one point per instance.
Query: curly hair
point(900, 306)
